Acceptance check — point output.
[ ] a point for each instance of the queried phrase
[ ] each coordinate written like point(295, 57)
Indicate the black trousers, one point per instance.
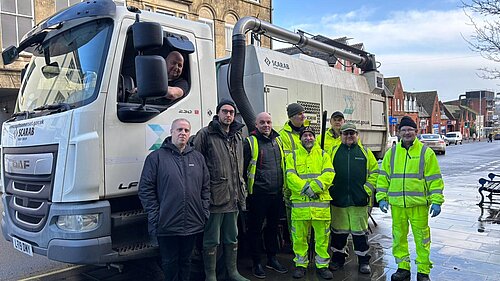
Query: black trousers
point(360, 242)
point(175, 252)
point(264, 207)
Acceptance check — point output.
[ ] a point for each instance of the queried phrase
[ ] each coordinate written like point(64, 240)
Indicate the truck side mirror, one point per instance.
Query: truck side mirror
point(151, 75)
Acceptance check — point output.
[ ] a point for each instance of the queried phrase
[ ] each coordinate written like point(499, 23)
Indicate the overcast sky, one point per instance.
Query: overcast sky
point(420, 41)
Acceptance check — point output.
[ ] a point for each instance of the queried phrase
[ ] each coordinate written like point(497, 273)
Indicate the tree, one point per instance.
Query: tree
point(486, 39)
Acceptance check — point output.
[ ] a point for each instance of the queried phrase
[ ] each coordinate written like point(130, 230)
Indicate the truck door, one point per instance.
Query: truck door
point(275, 99)
point(127, 143)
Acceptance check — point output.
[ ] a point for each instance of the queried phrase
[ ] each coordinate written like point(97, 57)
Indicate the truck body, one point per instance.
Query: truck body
point(73, 151)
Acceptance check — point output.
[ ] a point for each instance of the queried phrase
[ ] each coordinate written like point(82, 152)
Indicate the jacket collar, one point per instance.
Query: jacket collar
point(167, 144)
point(260, 136)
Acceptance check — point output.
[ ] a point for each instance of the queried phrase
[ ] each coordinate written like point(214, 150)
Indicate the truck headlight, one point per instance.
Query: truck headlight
point(78, 222)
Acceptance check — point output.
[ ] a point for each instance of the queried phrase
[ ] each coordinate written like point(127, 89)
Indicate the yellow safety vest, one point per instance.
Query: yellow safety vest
point(410, 178)
point(252, 166)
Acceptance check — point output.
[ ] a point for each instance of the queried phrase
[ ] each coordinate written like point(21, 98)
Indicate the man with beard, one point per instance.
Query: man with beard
point(309, 174)
point(222, 145)
point(174, 191)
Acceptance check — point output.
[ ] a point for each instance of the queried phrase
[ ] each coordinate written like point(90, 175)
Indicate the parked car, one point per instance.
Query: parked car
point(434, 142)
point(446, 141)
point(496, 137)
point(454, 137)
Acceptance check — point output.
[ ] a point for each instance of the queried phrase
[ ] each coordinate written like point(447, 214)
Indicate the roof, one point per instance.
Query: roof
point(391, 83)
point(425, 99)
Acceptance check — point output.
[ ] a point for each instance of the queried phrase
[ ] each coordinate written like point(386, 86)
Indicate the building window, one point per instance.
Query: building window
point(16, 19)
point(166, 12)
point(228, 28)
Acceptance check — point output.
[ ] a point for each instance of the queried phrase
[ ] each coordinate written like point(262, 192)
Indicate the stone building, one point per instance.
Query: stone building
point(18, 16)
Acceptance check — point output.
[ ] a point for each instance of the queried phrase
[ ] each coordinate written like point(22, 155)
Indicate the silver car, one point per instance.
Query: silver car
point(434, 141)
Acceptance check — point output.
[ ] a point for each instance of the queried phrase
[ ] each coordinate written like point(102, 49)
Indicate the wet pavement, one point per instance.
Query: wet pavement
point(465, 238)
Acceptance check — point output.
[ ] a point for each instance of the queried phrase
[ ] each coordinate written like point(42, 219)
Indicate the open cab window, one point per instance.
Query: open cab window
point(127, 94)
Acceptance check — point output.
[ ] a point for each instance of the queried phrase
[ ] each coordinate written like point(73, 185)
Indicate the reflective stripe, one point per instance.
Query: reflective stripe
point(287, 151)
point(327, 230)
point(306, 187)
point(348, 231)
point(291, 171)
point(383, 173)
point(422, 162)
point(374, 172)
point(292, 229)
point(408, 193)
point(380, 189)
point(253, 162)
point(407, 176)
point(436, 191)
point(319, 183)
point(393, 157)
point(362, 254)
point(291, 140)
point(310, 204)
point(426, 241)
point(251, 176)
point(301, 259)
point(405, 259)
point(328, 170)
point(433, 177)
point(370, 186)
point(309, 176)
point(320, 260)
point(344, 251)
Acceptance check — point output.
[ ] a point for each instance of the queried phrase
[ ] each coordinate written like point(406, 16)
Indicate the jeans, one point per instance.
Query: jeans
point(175, 252)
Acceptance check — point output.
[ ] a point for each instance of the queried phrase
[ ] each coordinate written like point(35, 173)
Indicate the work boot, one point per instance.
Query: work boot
point(258, 271)
point(273, 263)
point(334, 265)
point(325, 273)
point(401, 275)
point(299, 272)
point(423, 277)
point(209, 263)
point(230, 257)
point(364, 268)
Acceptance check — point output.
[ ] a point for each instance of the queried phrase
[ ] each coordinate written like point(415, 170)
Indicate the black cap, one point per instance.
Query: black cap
point(407, 121)
point(337, 114)
point(224, 102)
point(307, 129)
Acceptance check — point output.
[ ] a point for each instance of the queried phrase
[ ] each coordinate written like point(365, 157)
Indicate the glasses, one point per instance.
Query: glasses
point(404, 131)
point(349, 133)
point(227, 111)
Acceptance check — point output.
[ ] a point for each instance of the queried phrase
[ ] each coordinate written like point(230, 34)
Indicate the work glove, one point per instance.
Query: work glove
point(435, 210)
point(383, 205)
point(307, 191)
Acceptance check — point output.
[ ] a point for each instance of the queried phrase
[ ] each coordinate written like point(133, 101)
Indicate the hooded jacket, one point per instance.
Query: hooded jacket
point(174, 190)
point(223, 154)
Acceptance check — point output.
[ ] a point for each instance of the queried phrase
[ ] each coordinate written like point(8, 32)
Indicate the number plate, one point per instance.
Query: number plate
point(22, 246)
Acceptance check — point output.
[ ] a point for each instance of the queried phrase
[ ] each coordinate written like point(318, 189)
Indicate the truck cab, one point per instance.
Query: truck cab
point(75, 146)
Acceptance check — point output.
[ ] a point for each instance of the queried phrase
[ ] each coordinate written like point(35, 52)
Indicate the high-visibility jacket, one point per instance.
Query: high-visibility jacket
point(347, 189)
point(330, 140)
point(252, 166)
point(290, 141)
point(313, 169)
point(410, 178)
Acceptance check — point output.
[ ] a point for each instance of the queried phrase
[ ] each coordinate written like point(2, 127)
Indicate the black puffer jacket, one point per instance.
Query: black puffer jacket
point(174, 190)
point(224, 157)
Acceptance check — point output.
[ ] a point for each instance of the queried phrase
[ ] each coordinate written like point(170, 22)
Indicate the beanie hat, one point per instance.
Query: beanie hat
point(294, 109)
point(307, 129)
point(337, 113)
point(224, 102)
point(407, 121)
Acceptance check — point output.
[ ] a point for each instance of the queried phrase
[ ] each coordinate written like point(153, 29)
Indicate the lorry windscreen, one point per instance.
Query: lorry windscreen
point(67, 68)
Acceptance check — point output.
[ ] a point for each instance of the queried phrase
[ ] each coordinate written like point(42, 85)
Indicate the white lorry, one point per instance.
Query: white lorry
point(73, 151)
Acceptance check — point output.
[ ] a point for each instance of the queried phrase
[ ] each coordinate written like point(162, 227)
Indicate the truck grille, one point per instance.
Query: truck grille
point(29, 193)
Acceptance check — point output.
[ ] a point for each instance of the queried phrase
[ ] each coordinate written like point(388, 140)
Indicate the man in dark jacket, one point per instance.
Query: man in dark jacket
point(221, 144)
point(356, 173)
point(174, 191)
point(265, 178)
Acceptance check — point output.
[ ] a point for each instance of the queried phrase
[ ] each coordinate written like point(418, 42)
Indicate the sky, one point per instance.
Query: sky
point(421, 41)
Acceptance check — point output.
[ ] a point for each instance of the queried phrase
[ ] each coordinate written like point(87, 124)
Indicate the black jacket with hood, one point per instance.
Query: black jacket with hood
point(174, 190)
